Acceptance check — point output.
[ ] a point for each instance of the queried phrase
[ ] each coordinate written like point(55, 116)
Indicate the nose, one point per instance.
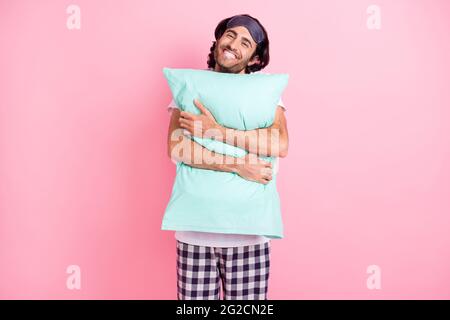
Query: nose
point(233, 44)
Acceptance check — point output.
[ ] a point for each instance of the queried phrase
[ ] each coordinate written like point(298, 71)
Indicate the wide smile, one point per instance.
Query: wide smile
point(229, 55)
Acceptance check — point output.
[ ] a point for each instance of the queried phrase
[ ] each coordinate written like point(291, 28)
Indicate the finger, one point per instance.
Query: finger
point(194, 125)
point(185, 122)
point(204, 109)
point(262, 171)
point(266, 171)
point(267, 164)
point(186, 115)
point(185, 126)
point(199, 105)
point(267, 176)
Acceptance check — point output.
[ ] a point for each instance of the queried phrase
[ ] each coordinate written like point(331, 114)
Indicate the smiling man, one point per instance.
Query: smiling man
point(205, 260)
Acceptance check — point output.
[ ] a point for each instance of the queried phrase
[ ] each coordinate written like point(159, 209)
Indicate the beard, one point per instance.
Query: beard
point(235, 68)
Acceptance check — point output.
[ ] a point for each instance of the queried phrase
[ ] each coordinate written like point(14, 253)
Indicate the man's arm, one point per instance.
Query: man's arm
point(192, 153)
point(195, 155)
point(271, 141)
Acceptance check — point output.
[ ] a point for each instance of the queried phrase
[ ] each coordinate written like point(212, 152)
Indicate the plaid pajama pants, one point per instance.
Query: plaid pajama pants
point(243, 272)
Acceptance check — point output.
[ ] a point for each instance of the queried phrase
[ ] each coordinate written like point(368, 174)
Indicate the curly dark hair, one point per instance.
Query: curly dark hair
point(262, 49)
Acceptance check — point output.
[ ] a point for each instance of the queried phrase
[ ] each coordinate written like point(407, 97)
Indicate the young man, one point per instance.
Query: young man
point(204, 260)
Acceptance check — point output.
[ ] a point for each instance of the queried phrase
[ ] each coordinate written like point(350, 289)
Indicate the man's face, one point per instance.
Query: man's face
point(234, 50)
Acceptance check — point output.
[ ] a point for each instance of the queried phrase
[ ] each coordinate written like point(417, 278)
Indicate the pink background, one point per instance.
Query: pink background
point(84, 175)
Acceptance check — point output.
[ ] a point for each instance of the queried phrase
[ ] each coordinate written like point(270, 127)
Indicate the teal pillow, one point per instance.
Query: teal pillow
point(216, 201)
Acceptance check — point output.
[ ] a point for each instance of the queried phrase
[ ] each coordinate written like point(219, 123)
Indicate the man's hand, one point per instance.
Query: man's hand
point(202, 122)
point(260, 172)
point(272, 141)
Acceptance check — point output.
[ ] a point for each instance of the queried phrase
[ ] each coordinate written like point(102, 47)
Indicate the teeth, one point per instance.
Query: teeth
point(228, 55)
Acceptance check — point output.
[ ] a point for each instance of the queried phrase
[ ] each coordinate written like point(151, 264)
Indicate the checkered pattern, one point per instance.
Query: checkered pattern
point(243, 272)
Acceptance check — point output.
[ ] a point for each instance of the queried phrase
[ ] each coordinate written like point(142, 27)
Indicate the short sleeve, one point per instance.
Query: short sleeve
point(172, 105)
point(281, 104)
